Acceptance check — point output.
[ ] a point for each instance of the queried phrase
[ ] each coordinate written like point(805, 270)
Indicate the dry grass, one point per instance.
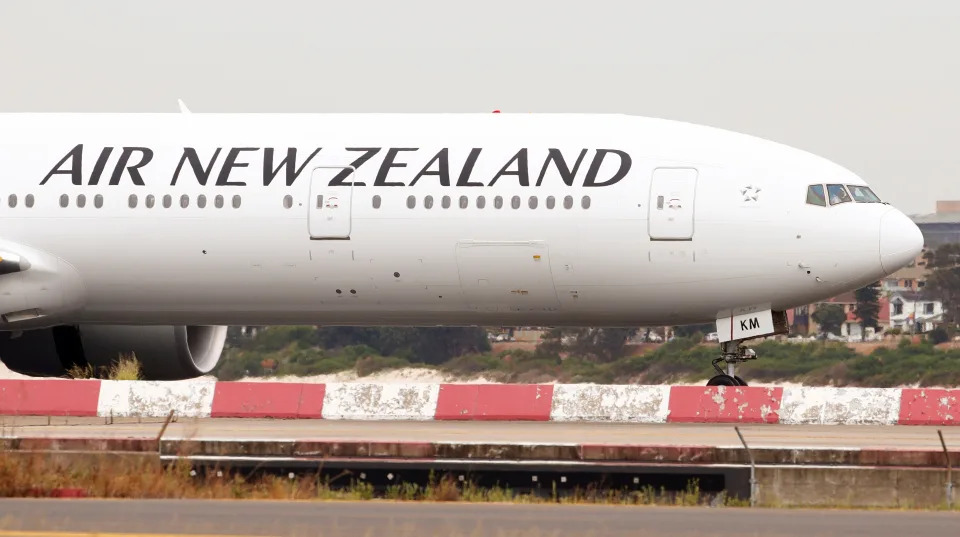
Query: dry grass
point(126, 367)
point(119, 476)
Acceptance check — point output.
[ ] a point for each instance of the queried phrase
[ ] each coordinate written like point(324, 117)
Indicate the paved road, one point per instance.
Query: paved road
point(798, 436)
point(360, 519)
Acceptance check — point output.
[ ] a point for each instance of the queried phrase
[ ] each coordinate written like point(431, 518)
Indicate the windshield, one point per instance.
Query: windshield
point(837, 194)
point(863, 194)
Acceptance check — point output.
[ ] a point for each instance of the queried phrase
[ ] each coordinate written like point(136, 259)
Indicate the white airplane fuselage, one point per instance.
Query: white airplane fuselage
point(641, 222)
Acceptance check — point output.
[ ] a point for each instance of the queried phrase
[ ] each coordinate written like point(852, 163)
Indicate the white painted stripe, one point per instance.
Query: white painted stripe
point(614, 403)
point(840, 406)
point(360, 401)
point(188, 398)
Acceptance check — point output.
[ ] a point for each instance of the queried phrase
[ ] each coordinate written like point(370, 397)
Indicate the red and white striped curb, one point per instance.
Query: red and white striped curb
point(530, 402)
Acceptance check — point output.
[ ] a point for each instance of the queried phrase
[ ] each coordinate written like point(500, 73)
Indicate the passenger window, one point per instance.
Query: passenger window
point(815, 196)
point(150, 201)
point(201, 201)
point(184, 201)
point(532, 202)
point(428, 202)
point(411, 202)
point(481, 202)
point(132, 201)
point(837, 194)
point(218, 202)
point(376, 202)
point(236, 201)
point(515, 202)
point(585, 202)
point(498, 202)
point(287, 201)
point(464, 202)
point(64, 200)
point(98, 201)
point(551, 202)
point(445, 202)
point(81, 201)
point(568, 202)
point(28, 201)
point(863, 194)
point(12, 200)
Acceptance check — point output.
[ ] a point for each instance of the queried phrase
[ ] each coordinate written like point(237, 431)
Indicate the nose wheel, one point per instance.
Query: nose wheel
point(732, 353)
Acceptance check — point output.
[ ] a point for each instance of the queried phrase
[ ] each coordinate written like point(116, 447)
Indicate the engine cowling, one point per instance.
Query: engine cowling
point(164, 352)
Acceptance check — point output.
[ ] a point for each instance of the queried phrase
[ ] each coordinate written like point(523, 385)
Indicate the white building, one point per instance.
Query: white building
point(911, 312)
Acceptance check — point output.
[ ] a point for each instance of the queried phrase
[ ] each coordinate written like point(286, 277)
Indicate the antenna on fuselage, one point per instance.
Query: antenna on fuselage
point(183, 106)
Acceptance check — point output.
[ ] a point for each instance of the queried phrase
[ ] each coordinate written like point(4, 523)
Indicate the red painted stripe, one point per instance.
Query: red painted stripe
point(49, 397)
point(256, 400)
point(311, 401)
point(924, 406)
point(495, 402)
point(711, 404)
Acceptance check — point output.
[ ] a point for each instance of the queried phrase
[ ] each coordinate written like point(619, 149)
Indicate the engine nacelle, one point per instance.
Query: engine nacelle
point(164, 352)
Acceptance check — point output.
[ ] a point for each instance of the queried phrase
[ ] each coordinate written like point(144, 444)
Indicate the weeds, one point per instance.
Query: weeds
point(117, 476)
point(126, 367)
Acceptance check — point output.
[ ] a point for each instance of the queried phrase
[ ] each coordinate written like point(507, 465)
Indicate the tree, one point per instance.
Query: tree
point(598, 344)
point(868, 306)
point(830, 317)
point(943, 283)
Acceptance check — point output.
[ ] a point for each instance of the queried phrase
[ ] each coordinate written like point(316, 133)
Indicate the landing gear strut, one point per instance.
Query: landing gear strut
point(733, 353)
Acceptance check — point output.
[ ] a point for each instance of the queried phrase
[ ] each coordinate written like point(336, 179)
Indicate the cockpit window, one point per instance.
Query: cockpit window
point(815, 195)
point(863, 194)
point(837, 194)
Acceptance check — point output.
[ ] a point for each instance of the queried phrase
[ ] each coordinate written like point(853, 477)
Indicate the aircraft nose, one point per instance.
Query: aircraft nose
point(900, 241)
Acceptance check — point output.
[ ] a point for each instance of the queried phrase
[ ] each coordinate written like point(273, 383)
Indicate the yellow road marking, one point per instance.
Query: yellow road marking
point(15, 533)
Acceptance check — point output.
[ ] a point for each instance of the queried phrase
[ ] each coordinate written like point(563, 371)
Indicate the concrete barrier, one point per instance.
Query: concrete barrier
point(49, 397)
point(723, 404)
point(505, 402)
point(929, 407)
point(613, 403)
point(359, 401)
point(122, 398)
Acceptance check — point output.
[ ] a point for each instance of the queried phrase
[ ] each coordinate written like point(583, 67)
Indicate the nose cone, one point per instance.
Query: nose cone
point(900, 241)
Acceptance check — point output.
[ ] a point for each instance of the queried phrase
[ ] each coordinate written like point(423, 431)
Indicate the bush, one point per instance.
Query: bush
point(938, 335)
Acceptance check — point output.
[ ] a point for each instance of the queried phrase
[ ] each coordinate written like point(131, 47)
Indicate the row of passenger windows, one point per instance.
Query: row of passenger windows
point(133, 200)
point(838, 194)
point(464, 202)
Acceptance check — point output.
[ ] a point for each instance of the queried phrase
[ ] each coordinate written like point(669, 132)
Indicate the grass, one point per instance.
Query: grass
point(126, 367)
point(117, 476)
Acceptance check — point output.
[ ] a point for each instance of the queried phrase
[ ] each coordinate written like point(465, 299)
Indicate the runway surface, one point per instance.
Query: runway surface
point(54, 518)
point(720, 435)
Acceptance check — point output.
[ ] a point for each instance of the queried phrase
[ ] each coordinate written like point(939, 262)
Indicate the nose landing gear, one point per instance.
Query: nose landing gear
point(733, 353)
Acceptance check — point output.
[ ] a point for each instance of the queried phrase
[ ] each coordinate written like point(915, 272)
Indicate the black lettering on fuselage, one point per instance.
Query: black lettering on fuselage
point(368, 152)
point(464, 178)
point(289, 162)
point(75, 171)
point(443, 168)
point(200, 172)
point(388, 163)
point(146, 155)
point(230, 163)
point(566, 174)
point(522, 172)
point(625, 162)
point(99, 166)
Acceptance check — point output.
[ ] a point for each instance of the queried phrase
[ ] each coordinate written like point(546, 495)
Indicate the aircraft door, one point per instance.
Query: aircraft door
point(329, 213)
point(672, 193)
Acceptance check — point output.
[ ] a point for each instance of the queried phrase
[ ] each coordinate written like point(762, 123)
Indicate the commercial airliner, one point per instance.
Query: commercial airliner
point(150, 233)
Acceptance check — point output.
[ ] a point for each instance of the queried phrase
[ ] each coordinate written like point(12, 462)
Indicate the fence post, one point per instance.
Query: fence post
point(949, 486)
point(753, 469)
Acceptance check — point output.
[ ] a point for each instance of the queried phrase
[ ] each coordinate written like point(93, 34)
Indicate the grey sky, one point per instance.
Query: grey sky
point(872, 85)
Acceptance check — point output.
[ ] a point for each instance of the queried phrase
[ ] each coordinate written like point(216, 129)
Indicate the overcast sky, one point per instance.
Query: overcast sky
point(871, 85)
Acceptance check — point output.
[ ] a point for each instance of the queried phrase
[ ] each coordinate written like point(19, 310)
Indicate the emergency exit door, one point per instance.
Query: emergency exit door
point(672, 193)
point(329, 213)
